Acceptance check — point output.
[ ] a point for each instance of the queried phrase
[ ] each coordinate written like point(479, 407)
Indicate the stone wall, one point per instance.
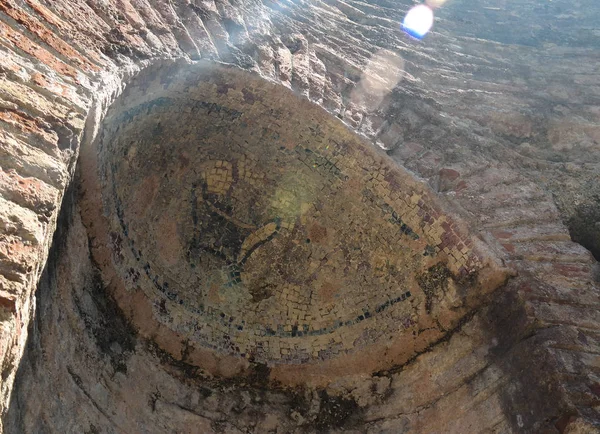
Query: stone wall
point(507, 135)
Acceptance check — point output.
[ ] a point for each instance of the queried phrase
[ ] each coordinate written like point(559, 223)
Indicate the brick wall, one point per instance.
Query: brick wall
point(469, 127)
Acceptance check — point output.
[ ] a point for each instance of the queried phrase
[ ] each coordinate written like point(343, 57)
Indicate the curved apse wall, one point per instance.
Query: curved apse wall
point(504, 128)
point(249, 260)
point(259, 229)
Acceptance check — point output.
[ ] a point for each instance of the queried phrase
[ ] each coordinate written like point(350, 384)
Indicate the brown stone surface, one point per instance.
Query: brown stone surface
point(513, 113)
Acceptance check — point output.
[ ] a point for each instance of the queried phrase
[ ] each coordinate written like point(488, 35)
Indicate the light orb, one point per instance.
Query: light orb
point(418, 21)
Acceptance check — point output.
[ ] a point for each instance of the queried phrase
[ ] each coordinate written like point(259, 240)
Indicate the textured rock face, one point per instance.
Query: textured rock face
point(503, 127)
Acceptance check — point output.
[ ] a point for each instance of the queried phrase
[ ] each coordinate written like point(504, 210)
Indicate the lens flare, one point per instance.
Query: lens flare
point(418, 21)
point(381, 74)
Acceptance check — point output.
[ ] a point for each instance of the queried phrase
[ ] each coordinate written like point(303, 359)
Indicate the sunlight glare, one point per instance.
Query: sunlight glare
point(418, 21)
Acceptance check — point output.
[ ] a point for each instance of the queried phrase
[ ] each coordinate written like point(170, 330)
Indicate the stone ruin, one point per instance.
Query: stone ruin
point(236, 216)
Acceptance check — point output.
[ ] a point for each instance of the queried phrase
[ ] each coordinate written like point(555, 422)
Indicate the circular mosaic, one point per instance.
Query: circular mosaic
point(261, 227)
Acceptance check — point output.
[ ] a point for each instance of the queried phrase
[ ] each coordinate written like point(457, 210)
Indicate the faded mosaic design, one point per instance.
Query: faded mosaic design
point(272, 234)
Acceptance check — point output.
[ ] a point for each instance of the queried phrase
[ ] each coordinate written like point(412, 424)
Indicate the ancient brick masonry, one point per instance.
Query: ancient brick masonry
point(525, 361)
